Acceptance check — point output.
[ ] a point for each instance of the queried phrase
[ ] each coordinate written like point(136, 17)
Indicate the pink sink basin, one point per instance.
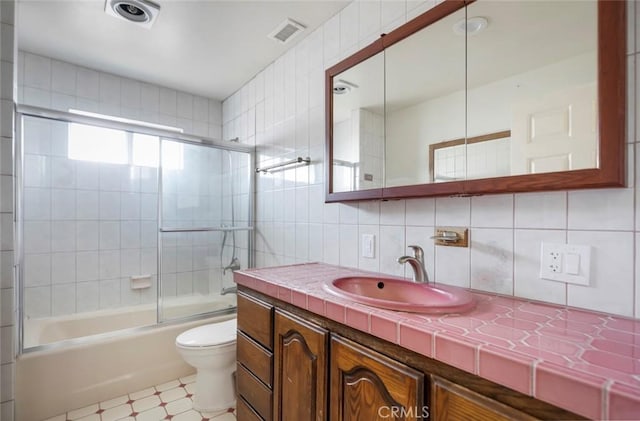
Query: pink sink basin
point(402, 295)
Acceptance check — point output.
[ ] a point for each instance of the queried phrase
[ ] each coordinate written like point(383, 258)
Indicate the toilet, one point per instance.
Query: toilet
point(211, 349)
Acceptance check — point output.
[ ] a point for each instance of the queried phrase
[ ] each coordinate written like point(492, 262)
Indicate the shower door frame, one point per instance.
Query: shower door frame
point(18, 209)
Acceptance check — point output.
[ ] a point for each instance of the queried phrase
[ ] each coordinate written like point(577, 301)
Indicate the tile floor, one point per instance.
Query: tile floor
point(169, 401)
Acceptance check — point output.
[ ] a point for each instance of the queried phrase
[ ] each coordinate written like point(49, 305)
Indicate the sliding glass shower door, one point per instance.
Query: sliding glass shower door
point(204, 227)
point(124, 225)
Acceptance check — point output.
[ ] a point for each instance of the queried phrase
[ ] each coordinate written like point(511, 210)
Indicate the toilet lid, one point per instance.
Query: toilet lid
point(209, 335)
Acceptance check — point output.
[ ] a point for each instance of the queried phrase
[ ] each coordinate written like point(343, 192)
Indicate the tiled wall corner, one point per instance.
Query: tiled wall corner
point(506, 230)
point(7, 308)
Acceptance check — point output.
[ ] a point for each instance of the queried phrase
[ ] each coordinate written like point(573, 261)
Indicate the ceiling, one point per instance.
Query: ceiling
point(205, 47)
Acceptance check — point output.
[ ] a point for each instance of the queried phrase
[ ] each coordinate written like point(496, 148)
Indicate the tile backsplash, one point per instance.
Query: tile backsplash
point(281, 111)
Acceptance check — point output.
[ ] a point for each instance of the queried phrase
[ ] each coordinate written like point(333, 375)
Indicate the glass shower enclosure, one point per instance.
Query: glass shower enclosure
point(124, 223)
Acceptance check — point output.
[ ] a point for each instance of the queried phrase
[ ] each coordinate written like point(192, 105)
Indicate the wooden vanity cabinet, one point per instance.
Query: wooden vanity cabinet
point(254, 353)
point(294, 365)
point(453, 402)
point(366, 385)
point(300, 373)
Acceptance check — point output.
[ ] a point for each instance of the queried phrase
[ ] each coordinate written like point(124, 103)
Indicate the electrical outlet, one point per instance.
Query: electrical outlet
point(554, 263)
point(565, 263)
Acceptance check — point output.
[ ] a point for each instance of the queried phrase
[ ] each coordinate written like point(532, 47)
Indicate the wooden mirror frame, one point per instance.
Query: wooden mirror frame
point(612, 66)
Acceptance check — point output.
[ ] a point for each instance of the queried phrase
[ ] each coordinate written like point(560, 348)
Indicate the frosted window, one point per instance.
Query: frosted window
point(172, 156)
point(97, 144)
point(145, 150)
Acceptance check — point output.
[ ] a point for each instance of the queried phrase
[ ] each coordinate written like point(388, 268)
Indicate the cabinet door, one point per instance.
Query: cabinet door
point(366, 385)
point(452, 402)
point(300, 369)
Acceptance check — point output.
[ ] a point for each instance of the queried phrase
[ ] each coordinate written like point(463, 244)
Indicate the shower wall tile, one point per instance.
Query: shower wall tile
point(38, 299)
point(63, 299)
point(63, 268)
point(63, 77)
point(87, 296)
point(60, 85)
point(7, 382)
point(6, 307)
point(6, 344)
point(88, 83)
point(8, 73)
point(7, 410)
point(507, 230)
point(37, 70)
point(98, 222)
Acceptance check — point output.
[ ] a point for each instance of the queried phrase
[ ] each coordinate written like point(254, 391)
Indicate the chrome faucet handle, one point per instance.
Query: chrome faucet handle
point(418, 253)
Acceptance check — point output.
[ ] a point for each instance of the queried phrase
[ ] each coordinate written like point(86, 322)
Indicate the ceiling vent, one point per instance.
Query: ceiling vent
point(141, 12)
point(286, 31)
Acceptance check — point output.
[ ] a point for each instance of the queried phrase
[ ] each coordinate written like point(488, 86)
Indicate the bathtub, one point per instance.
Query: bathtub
point(76, 373)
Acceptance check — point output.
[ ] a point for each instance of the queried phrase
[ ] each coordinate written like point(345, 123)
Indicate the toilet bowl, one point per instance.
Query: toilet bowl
point(211, 350)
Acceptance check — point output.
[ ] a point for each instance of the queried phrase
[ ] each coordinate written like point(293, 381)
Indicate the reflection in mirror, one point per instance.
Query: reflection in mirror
point(487, 156)
point(358, 126)
point(425, 100)
point(550, 74)
point(533, 70)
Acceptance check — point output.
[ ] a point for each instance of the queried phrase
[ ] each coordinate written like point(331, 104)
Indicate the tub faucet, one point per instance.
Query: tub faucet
point(233, 266)
point(229, 290)
point(417, 264)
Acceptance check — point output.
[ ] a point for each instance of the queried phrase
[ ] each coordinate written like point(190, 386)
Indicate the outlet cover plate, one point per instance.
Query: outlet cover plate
point(558, 262)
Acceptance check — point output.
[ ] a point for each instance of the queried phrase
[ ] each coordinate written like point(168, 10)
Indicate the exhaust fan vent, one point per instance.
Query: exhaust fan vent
point(142, 12)
point(286, 31)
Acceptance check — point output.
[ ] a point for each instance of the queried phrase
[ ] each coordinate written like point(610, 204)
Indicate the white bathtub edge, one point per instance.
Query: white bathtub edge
point(49, 383)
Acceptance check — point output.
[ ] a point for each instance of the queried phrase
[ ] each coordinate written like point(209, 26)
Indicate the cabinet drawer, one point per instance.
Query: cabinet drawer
point(244, 412)
point(254, 357)
point(254, 392)
point(255, 318)
point(451, 401)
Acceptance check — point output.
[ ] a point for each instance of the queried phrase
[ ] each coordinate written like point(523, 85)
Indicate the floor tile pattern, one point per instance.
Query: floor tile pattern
point(168, 401)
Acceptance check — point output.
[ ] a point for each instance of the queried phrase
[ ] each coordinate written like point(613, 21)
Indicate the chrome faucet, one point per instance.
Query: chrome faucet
point(233, 266)
point(229, 290)
point(417, 264)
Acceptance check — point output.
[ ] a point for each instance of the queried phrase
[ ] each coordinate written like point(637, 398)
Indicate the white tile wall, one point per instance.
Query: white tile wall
point(7, 318)
point(506, 230)
point(90, 226)
point(52, 83)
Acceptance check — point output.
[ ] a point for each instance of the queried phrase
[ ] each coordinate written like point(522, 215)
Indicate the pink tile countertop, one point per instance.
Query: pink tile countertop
point(583, 361)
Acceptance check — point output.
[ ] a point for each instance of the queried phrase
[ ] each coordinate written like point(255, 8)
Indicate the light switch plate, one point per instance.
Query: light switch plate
point(368, 246)
point(569, 263)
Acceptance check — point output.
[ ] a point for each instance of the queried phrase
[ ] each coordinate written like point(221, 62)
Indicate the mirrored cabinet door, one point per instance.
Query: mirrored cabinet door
point(359, 126)
point(531, 87)
point(425, 104)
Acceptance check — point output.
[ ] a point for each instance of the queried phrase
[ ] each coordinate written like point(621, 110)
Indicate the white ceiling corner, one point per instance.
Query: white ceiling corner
point(205, 47)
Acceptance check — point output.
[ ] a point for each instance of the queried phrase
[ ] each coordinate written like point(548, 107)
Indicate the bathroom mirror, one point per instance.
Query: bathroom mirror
point(488, 97)
point(359, 114)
